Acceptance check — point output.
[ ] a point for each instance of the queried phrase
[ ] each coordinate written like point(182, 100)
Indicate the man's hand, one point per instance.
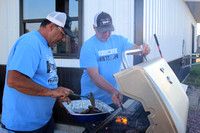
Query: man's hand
point(61, 92)
point(146, 49)
point(116, 97)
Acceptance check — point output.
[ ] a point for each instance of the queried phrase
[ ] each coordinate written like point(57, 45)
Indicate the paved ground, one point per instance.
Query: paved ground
point(60, 128)
point(63, 128)
point(193, 122)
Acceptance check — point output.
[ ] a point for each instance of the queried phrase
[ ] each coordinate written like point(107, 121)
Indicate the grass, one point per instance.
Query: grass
point(194, 76)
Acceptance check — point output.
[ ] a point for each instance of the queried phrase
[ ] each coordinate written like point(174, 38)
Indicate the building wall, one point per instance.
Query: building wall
point(122, 12)
point(9, 14)
point(172, 22)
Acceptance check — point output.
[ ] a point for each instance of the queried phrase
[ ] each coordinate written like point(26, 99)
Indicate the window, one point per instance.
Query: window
point(34, 11)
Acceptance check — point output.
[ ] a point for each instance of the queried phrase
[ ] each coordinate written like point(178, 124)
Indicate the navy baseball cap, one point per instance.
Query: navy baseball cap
point(67, 27)
point(103, 22)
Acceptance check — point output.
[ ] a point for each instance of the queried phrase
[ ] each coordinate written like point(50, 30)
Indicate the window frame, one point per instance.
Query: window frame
point(80, 30)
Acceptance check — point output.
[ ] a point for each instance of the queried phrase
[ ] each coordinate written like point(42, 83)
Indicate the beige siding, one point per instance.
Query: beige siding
point(122, 12)
point(171, 21)
point(9, 14)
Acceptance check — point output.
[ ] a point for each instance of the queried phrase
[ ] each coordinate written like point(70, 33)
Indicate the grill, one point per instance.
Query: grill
point(155, 85)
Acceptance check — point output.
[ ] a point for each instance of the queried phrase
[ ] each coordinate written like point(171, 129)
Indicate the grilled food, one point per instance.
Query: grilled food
point(91, 110)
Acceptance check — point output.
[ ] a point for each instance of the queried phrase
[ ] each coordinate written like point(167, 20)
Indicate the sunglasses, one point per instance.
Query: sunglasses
point(63, 34)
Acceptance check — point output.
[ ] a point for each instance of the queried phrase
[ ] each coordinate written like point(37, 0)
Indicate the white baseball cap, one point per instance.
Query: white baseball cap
point(57, 18)
point(62, 20)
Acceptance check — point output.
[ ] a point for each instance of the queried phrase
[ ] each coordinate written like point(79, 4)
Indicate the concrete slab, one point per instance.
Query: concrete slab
point(64, 128)
point(193, 94)
point(59, 128)
point(185, 87)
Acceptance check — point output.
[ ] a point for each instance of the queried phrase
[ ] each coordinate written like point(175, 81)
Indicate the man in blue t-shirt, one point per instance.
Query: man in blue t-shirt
point(31, 88)
point(100, 58)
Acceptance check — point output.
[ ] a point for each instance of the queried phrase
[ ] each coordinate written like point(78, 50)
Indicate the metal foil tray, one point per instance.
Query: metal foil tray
point(78, 106)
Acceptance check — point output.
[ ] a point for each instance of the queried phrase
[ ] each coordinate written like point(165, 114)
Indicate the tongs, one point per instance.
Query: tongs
point(122, 106)
point(90, 97)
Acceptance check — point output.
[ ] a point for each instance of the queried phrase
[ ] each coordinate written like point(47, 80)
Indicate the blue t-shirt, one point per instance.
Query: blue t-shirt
point(31, 56)
point(107, 57)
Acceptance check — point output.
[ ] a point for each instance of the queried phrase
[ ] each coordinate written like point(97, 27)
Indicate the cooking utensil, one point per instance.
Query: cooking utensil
point(77, 106)
point(122, 106)
point(92, 100)
point(77, 95)
point(90, 97)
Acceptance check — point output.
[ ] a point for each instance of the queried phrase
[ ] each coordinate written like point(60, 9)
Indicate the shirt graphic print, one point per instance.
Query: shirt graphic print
point(107, 55)
point(51, 68)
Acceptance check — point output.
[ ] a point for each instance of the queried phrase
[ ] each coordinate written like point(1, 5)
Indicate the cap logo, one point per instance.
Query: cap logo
point(105, 22)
